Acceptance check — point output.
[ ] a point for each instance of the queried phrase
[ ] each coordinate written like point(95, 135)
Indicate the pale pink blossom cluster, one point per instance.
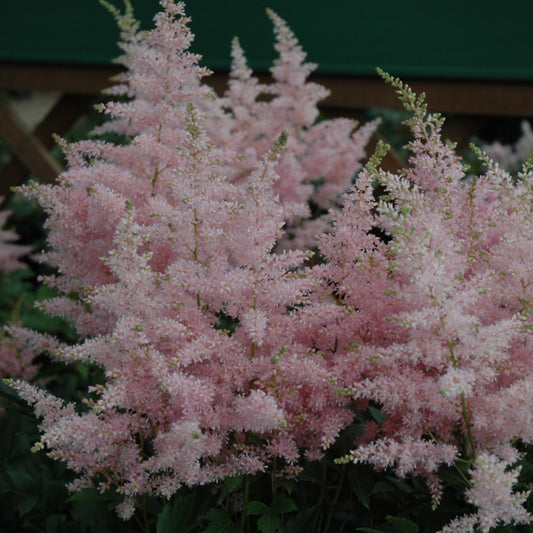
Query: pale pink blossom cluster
point(222, 353)
point(320, 159)
point(15, 358)
point(167, 244)
point(10, 252)
point(432, 322)
point(491, 492)
point(511, 157)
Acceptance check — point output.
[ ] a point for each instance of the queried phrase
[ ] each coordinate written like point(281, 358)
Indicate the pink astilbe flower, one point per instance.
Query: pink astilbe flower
point(492, 493)
point(10, 252)
point(245, 124)
point(430, 315)
point(512, 157)
point(16, 359)
point(321, 158)
point(180, 298)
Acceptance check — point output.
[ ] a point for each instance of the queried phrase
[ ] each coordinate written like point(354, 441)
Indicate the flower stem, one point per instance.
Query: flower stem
point(335, 498)
point(245, 504)
point(464, 411)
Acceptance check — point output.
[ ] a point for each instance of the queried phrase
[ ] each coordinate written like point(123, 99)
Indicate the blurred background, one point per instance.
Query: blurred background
point(474, 61)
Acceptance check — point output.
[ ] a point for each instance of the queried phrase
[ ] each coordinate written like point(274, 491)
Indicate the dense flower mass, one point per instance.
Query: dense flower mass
point(512, 157)
point(433, 321)
point(15, 359)
point(166, 243)
point(221, 351)
point(10, 251)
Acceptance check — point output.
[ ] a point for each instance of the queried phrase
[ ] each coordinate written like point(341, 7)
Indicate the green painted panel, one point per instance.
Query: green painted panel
point(457, 38)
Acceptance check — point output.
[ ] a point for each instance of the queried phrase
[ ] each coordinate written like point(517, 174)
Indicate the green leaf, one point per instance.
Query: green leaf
point(222, 528)
point(283, 504)
point(22, 480)
point(403, 524)
point(377, 414)
point(165, 522)
point(256, 507)
point(27, 504)
point(181, 515)
point(220, 522)
point(53, 523)
point(232, 484)
point(89, 503)
point(361, 484)
point(287, 485)
point(303, 521)
point(269, 522)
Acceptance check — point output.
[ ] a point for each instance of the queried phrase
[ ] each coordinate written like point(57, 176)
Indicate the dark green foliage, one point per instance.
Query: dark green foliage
point(33, 495)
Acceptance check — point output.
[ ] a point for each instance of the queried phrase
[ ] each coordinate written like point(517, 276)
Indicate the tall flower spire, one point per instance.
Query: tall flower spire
point(431, 318)
point(165, 264)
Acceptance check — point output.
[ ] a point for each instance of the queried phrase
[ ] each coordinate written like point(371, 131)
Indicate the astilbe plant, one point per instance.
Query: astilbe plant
point(10, 251)
point(220, 355)
point(512, 157)
point(430, 318)
point(320, 159)
point(321, 156)
point(16, 360)
point(165, 265)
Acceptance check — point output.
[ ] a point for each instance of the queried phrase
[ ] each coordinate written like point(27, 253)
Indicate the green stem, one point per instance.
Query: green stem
point(195, 252)
point(317, 525)
point(145, 516)
point(156, 175)
point(335, 498)
point(244, 515)
point(324, 479)
point(465, 479)
point(464, 410)
point(142, 521)
point(254, 306)
point(468, 424)
point(274, 477)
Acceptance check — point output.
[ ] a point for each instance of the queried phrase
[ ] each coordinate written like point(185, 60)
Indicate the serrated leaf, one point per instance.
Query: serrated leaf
point(217, 515)
point(22, 480)
point(166, 520)
point(377, 414)
point(256, 507)
point(269, 522)
point(286, 484)
point(27, 504)
point(220, 521)
point(88, 503)
point(303, 521)
point(283, 504)
point(181, 515)
point(232, 484)
point(403, 524)
point(53, 522)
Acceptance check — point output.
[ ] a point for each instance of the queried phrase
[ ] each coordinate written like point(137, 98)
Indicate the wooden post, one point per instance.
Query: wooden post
point(58, 120)
point(26, 147)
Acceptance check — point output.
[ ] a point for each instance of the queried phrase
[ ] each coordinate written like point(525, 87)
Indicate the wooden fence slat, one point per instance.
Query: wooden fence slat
point(26, 147)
